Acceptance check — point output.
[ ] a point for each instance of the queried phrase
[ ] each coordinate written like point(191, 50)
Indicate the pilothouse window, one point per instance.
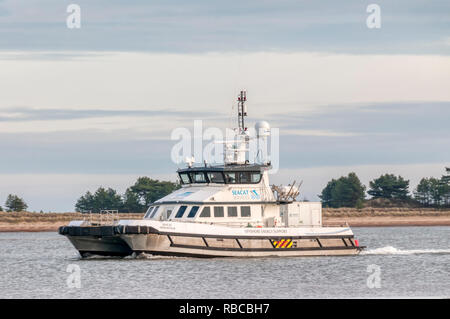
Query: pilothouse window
point(216, 177)
point(198, 177)
point(185, 178)
point(244, 177)
point(230, 178)
point(255, 177)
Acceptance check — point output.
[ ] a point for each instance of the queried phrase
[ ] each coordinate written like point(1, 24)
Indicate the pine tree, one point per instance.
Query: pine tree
point(85, 203)
point(432, 192)
point(445, 180)
point(423, 192)
point(344, 192)
point(15, 204)
point(132, 203)
point(150, 190)
point(389, 186)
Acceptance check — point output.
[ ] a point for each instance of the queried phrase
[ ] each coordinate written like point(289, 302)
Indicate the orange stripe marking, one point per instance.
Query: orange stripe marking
point(285, 243)
point(280, 243)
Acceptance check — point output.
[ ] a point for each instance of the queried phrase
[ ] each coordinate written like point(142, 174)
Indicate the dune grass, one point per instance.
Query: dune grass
point(389, 211)
point(28, 217)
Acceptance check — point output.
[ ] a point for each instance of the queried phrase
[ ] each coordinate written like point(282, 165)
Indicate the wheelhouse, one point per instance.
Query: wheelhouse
point(239, 174)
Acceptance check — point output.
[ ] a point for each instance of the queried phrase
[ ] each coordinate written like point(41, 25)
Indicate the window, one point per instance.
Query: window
point(206, 212)
point(216, 177)
point(255, 177)
point(198, 177)
point(230, 178)
point(218, 211)
point(244, 177)
point(154, 211)
point(245, 211)
point(149, 211)
point(193, 211)
point(180, 212)
point(232, 211)
point(185, 178)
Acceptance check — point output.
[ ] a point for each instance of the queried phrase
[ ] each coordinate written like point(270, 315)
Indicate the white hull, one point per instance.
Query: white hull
point(151, 244)
point(210, 240)
point(202, 240)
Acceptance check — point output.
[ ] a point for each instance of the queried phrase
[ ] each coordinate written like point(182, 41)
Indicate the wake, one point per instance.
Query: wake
point(133, 256)
point(151, 257)
point(389, 250)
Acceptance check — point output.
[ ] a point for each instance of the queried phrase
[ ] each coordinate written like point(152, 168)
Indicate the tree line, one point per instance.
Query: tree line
point(348, 191)
point(135, 200)
point(14, 204)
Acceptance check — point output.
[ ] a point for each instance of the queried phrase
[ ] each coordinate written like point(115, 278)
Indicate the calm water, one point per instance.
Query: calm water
point(413, 262)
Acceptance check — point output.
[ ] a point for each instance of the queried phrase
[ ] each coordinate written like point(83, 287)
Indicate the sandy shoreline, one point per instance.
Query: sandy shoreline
point(37, 222)
point(389, 221)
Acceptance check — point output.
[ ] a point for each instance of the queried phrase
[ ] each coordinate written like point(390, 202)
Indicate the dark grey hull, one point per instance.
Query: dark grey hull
point(104, 246)
point(96, 241)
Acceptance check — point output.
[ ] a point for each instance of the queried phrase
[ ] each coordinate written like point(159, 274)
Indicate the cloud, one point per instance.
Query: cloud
point(25, 114)
point(312, 132)
point(378, 133)
point(411, 119)
point(210, 82)
point(249, 25)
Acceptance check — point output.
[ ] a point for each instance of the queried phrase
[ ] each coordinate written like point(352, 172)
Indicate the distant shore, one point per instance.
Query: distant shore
point(43, 222)
point(366, 217)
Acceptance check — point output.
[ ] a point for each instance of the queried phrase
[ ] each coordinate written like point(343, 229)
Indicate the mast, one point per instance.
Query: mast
point(235, 150)
point(242, 111)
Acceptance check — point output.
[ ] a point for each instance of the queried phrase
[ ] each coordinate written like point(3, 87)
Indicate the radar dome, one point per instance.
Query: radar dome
point(262, 128)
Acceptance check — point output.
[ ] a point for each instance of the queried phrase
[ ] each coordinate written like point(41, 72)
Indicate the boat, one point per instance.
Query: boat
point(224, 210)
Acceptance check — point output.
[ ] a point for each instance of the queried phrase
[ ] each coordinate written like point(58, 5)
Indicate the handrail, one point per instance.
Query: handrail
point(104, 217)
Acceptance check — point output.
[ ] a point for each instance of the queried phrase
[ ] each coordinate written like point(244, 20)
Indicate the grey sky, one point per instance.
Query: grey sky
point(197, 26)
point(95, 106)
point(382, 133)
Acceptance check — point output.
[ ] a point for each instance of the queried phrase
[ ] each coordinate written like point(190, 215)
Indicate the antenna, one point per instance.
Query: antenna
point(242, 111)
point(235, 150)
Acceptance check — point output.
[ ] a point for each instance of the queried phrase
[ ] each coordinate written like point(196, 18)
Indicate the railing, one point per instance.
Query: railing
point(345, 224)
point(255, 224)
point(231, 224)
point(105, 217)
